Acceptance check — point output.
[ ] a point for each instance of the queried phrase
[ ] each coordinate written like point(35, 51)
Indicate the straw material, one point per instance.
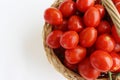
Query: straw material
point(53, 59)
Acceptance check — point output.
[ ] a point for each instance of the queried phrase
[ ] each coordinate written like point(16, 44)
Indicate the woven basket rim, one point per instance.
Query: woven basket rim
point(53, 59)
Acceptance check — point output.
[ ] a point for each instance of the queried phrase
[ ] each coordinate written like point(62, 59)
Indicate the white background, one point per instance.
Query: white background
point(22, 56)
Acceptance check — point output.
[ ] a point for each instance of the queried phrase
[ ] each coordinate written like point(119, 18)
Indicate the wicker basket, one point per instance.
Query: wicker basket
point(54, 60)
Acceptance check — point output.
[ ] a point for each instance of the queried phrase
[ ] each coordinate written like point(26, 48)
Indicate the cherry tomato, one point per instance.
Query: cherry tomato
point(69, 39)
point(118, 7)
point(103, 27)
point(53, 39)
point(101, 60)
point(75, 23)
point(117, 47)
point(87, 71)
point(70, 66)
point(88, 36)
point(83, 5)
point(101, 9)
point(116, 61)
point(74, 56)
point(115, 35)
point(105, 42)
point(53, 16)
point(92, 17)
point(67, 8)
point(116, 1)
point(63, 26)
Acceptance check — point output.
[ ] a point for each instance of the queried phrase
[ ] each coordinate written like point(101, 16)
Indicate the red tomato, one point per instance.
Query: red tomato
point(103, 27)
point(69, 40)
point(88, 36)
point(67, 8)
point(53, 16)
point(74, 56)
point(116, 1)
point(101, 9)
point(118, 7)
point(115, 34)
point(101, 60)
point(87, 71)
point(70, 66)
point(75, 23)
point(117, 47)
point(105, 42)
point(92, 17)
point(83, 5)
point(53, 39)
point(116, 61)
point(63, 26)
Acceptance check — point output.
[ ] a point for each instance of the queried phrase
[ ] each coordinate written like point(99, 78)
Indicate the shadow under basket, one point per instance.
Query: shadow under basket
point(54, 60)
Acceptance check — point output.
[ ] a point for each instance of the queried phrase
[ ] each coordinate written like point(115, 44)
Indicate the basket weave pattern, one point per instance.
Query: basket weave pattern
point(54, 60)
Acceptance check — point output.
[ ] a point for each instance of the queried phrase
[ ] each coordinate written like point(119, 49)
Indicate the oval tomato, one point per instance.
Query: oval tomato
point(69, 39)
point(67, 8)
point(75, 23)
point(115, 34)
point(117, 47)
point(86, 70)
point(83, 5)
point(88, 36)
point(92, 17)
point(101, 60)
point(53, 16)
point(116, 62)
point(105, 42)
point(74, 56)
point(101, 9)
point(53, 39)
point(103, 27)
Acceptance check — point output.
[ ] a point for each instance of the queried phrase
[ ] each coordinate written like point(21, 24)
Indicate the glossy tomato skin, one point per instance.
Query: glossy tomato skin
point(101, 9)
point(53, 16)
point(115, 34)
point(67, 8)
point(74, 56)
point(88, 37)
point(86, 70)
point(103, 27)
point(116, 1)
point(105, 42)
point(117, 47)
point(101, 60)
point(92, 17)
point(53, 39)
point(116, 61)
point(75, 23)
point(63, 26)
point(69, 39)
point(83, 5)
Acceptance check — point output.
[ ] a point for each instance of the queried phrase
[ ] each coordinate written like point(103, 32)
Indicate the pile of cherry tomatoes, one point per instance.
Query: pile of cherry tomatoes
point(84, 37)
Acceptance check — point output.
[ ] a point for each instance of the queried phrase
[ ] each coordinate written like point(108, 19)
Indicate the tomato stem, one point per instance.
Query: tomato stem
point(110, 75)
